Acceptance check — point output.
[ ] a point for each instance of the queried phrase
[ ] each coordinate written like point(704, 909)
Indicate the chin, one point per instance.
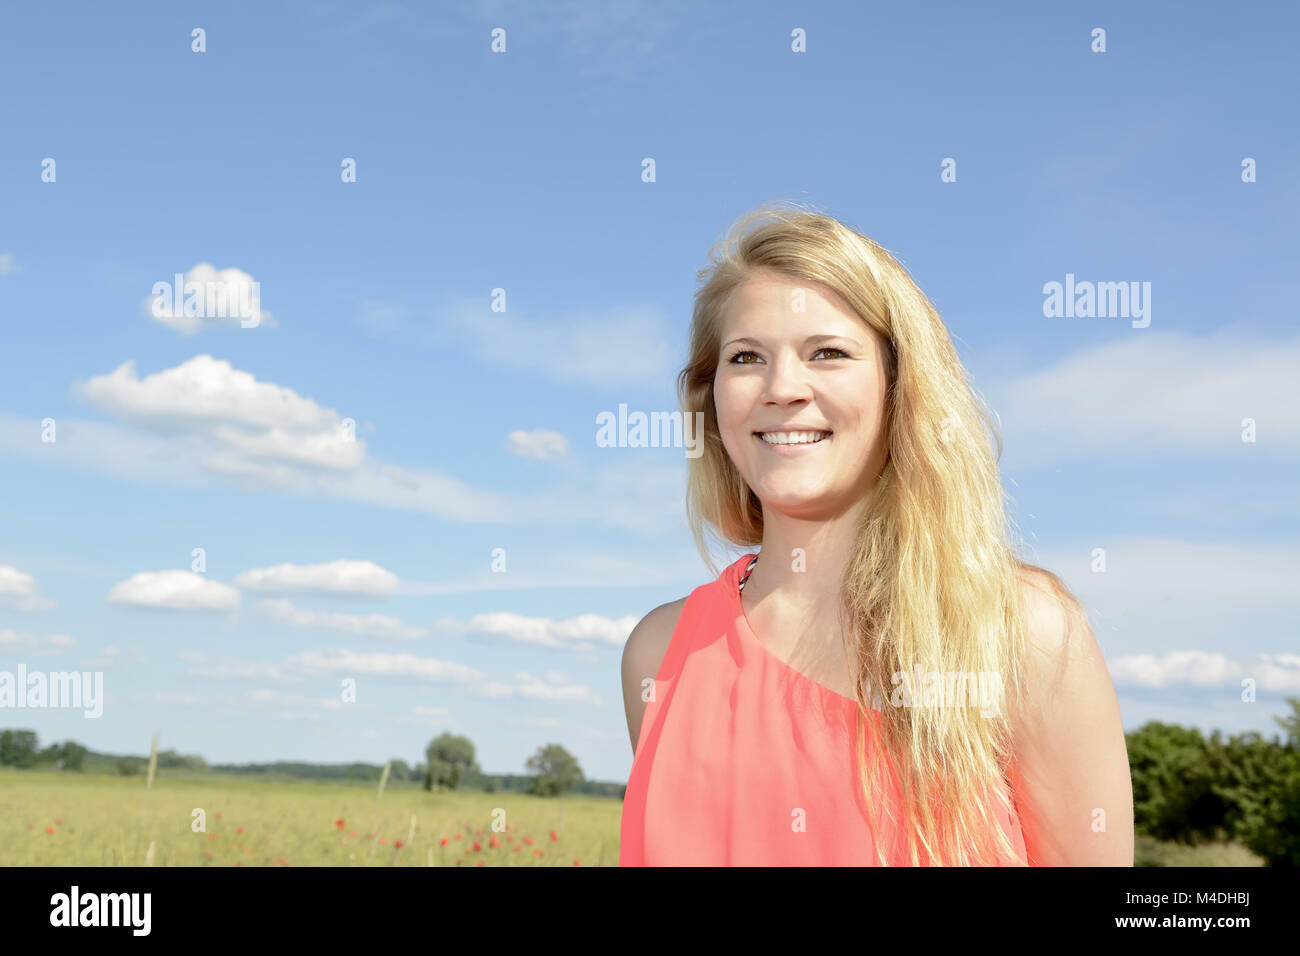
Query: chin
point(793, 499)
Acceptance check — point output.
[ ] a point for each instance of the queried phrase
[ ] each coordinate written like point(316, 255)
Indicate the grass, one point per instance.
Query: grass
point(112, 820)
point(109, 821)
point(1148, 851)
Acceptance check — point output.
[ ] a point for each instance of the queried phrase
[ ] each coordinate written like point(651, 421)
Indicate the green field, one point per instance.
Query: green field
point(110, 821)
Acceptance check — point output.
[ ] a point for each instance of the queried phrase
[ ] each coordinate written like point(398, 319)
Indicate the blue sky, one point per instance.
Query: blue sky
point(522, 171)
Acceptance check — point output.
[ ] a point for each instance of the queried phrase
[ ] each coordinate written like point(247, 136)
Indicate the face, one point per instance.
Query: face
point(800, 397)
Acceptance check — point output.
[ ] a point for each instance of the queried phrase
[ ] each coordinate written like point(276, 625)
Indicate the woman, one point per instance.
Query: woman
point(889, 684)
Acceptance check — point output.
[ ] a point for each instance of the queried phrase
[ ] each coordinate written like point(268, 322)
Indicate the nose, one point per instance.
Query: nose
point(787, 380)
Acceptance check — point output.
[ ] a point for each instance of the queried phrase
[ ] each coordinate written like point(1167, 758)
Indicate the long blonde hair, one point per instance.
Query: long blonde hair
point(933, 584)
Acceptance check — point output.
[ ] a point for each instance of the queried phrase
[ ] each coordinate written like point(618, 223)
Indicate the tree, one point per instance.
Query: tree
point(171, 760)
point(1174, 784)
point(68, 755)
point(74, 755)
point(449, 759)
point(555, 770)
point(18, 748)
point(1265, 788)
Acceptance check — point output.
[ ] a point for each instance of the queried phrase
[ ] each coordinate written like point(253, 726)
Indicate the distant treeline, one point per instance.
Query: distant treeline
point(1187, 788)
point(20, 749)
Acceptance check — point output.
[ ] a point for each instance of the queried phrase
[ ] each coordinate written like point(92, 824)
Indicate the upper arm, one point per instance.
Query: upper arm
point(642, 655)
point(1074, 793)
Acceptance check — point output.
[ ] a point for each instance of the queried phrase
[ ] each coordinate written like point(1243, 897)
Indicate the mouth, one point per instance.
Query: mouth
point(792, 439)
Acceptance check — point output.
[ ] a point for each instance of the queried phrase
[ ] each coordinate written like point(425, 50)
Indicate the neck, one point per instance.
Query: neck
point(811, 575)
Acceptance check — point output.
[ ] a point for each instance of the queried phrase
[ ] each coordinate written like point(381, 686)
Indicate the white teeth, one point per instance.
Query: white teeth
point(793, 438)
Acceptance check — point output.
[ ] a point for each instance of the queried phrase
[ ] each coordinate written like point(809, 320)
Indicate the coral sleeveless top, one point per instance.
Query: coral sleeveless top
point(743, 761)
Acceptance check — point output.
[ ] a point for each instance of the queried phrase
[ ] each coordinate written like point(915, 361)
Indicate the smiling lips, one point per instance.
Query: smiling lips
point(805, 437)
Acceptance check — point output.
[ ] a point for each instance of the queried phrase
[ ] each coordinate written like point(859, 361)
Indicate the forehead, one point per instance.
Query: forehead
point(779, 304)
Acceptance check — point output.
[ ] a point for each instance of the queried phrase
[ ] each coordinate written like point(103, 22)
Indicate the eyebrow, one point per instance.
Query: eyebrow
point(812, 339)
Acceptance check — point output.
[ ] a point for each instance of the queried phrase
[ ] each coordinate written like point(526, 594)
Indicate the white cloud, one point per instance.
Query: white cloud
point(227, 421)
point(18, 590)
point(423, 716)
point(226, 668)
point(553, 687)
point(364, 625)
point(383, 665)
point(204, 390)
point(168, 697)
point(295, 706)
point(206, 298)
point(539, 444)
point(1271, 672)
point(576, 632)
point(337, 577)
point(174, 589)
point(8, 266)
point(679, 567)
point(204, 422)
point(11, 638)
point(1155, 393)
point(1200, 591)
point(612, 347)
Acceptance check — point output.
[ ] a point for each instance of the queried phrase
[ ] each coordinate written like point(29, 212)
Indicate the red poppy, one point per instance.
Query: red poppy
point(397, 844)
point(554, 838)
point(58, 823)
point(352, 834)
point(478, 832)
point(528, 840)
point(494, 843)
point(49, 829)
point(239, 829)
point(456, 837)
point(444, 842)
point(479, 863)
point(339, 823)
point(477, 846)
point(382, 841)
point(577, 863)
point(538, 853)
point(212, 836)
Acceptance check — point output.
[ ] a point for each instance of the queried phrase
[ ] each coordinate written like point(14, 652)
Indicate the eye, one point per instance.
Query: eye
point(840, 353)
point(739, 355)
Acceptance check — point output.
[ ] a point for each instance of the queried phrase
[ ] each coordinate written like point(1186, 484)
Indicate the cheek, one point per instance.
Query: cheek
point(729, 404)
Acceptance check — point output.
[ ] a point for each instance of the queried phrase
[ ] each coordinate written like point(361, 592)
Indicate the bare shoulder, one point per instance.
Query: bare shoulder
point(1060, 643)
point(1055, 622)
point(1074, 791)
point(642, 656)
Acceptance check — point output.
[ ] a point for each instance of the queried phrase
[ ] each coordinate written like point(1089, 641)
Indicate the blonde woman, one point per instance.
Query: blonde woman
point(883, 682)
